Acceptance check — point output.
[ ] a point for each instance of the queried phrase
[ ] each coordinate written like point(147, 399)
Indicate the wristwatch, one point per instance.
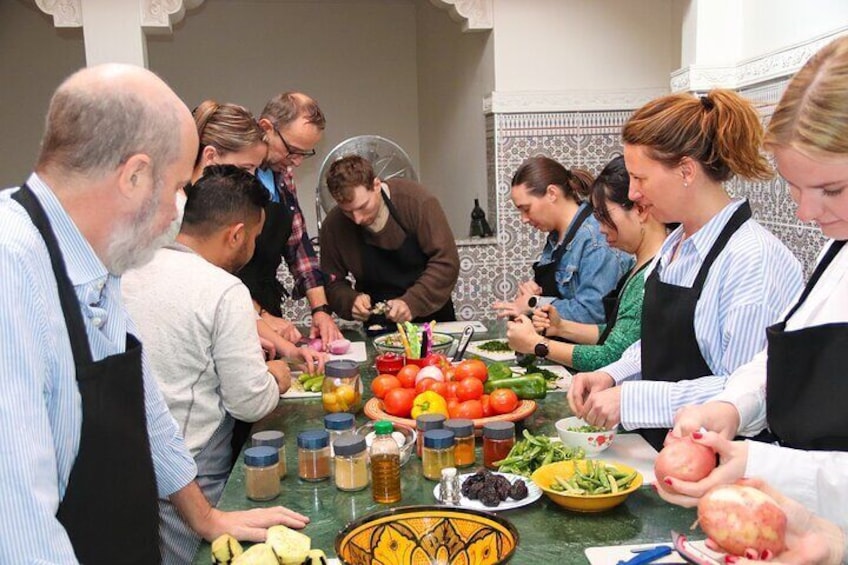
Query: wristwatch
point(323, 308)
point(541, 350)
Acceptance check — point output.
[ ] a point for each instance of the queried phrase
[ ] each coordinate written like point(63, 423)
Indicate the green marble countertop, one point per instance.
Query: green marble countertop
point(547, 532)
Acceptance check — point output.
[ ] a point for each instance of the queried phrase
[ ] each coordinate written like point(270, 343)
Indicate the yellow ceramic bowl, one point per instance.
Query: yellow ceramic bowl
point(544, 477)
point(427, 535)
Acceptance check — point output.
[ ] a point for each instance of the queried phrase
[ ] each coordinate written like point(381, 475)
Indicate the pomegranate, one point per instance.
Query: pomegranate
point(685, 460)
point(737, 517)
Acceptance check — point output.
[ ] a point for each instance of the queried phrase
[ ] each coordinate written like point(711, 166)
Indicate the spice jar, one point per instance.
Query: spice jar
point(261, 477)
point(437, 453)
point(424, 423)
point(463, 447)
point(313, 455)
point(337, 425)
point(449, 488)
point(498, 439)
point(351, 463)
point(277, 440)
point(341, 390)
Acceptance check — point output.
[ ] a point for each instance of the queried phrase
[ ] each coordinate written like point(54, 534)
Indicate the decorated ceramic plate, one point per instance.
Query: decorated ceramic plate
point(534, 493)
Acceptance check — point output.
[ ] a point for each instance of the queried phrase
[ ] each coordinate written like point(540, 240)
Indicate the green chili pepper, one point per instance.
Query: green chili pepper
point(527, 387)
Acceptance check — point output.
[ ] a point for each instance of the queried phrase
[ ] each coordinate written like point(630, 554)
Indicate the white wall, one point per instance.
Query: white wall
point(357, 58)
point(455, 73)
point(35, 59)
point(770, 25)
point(584, 44)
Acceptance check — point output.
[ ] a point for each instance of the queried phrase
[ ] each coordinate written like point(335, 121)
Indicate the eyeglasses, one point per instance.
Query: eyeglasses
point(294, 151)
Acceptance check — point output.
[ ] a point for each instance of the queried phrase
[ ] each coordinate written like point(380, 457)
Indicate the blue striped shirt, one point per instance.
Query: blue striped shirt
point(750, 283)
point(40, 409)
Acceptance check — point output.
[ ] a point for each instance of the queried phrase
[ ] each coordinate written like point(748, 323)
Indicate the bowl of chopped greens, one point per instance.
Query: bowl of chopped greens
point(587, 485)
point(575, 432)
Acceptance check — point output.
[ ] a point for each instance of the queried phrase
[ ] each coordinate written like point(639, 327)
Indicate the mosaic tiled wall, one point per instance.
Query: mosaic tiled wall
point(492, 270)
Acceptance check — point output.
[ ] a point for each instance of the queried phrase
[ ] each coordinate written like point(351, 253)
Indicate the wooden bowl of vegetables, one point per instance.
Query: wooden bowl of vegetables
point(587, 485)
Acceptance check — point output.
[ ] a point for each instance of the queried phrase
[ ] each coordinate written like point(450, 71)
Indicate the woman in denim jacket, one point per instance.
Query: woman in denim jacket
point(577, 267)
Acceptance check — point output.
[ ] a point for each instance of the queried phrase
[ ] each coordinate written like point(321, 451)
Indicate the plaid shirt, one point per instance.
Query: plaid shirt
point(298, 253)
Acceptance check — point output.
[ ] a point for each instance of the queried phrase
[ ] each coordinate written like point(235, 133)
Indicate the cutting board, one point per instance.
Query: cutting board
point(455, 328)
point(632, 449)
point(474, 349)
point(611, 555)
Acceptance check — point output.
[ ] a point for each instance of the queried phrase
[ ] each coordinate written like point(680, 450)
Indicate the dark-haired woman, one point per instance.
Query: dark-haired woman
point(577, 268)
point(718, 280)
point(629, 227)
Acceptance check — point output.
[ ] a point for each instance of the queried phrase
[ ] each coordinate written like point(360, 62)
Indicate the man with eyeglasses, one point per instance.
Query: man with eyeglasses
point(293, 125)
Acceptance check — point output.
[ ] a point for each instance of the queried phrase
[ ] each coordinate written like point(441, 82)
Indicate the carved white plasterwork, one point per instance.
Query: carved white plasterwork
point(159, 16)
point(474, 15)
point(756, 70)
point(569, 100)
point(66, 13)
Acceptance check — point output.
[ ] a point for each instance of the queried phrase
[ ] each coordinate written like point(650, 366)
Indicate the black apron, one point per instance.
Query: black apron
point(670, 349)
point(806, 386)
point(390, 272)
point(545, 275)
point(260, 273)
point(110, 508)
point(613, 300)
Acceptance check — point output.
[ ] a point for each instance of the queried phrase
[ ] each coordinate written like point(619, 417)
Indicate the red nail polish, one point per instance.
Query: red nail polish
point(730, 559)
point(767, 555)
point(751, 554)
point(697, 435)
point(667, 481)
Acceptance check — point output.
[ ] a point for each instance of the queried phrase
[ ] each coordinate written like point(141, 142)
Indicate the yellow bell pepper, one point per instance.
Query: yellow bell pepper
point(429, 402)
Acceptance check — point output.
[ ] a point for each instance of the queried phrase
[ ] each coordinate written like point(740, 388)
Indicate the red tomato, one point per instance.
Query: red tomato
point(439, 388)
point(450, 373)
point(437, 360)
point(383, 384)
point(453, 406)
point(487, 406)
point(503, 400)
point(469, 389)
point(472, 368)
point(452, 385)
point(398, 402)
point(407, 375)
point(471, 409)
point(424, 384)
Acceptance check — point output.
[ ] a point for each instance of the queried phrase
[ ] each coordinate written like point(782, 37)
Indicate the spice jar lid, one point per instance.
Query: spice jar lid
point(272, 438)
point(460, 427)
point(338, 421)
point(426, 422)
point(438, 439)
point(313, 439)
point(499, 430)
point(340, 368)
point(349, 445)
point(261, 456)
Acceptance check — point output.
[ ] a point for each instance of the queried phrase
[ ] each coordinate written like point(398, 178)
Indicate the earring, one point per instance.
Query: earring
point(685, 184)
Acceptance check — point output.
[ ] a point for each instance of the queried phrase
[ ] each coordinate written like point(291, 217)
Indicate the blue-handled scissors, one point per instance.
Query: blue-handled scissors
point(648, 555)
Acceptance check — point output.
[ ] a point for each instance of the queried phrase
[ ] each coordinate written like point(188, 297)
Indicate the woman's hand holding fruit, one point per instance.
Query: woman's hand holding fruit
point(719, 417)
point(733, 459)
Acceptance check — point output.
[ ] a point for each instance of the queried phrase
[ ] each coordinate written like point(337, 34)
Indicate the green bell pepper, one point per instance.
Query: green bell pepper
point(498, 371)
point(526, 387)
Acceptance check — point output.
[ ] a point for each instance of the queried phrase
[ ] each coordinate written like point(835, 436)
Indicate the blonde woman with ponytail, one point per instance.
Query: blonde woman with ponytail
point(228, 136)
point(718, 280)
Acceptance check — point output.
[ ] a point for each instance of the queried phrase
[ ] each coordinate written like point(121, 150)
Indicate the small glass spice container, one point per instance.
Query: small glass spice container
point(313, 455)
point(463, 449)
point(498, 439)
point(424, 423)
point(351, 463)
point(449, 488)
point(337, 425)
point(388, 363)
point(275, 439)
point(261, 477)
point(341, 390)
point(437, 453)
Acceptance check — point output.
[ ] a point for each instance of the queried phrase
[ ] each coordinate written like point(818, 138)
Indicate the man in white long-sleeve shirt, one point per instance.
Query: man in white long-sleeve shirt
point(198, 324)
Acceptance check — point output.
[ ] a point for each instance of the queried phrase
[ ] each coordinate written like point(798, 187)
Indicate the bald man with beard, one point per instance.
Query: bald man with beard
point(81, 482)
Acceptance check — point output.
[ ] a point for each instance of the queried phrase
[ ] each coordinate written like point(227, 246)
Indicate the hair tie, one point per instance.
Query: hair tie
point(707, 102)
